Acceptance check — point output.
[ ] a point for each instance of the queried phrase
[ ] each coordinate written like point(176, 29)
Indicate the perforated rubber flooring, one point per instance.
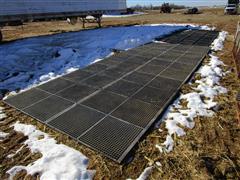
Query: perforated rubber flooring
point(108, 106)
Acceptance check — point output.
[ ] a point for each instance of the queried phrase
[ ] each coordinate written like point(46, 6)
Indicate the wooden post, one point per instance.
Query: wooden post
point(83, 23)
point(83, 19)
point(236, 54)
point(98, 18)
point(236, 50)
point(1, 36)
point(99, 22)
point(238, 107)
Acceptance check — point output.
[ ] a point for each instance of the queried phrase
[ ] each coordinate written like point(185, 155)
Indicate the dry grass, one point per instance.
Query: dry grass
point(214, 17)
point(209, 151)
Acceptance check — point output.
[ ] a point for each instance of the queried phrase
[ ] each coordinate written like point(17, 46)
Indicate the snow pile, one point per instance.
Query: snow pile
point(2, 135)
point(199, 102)
point(122, 15)
point(58, 162)
point(145, 173)
point(207, 28)
point(2, 114)
point(218, 43)
point(191, 26)
point(29, 62)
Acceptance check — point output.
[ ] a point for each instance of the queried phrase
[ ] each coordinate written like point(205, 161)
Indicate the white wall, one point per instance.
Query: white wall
point(18, 7)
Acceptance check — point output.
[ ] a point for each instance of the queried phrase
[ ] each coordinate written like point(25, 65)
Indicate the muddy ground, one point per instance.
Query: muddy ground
point(209, 151)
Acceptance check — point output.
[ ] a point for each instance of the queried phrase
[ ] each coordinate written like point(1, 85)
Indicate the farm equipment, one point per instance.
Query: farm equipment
point(166, 8)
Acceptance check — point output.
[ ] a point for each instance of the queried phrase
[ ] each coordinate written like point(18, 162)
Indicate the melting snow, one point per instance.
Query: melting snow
point(122, 15)
point(218, 43)
point(29, 62)
point(3, 135)
point(199, 102)
point(2, 114)
point(145, 174)
point(58, 162)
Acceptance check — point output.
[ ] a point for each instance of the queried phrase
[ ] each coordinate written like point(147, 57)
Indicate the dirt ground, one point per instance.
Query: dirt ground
point(209, 151)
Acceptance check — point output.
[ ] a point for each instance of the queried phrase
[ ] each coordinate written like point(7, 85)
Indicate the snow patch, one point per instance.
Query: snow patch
point(145, 173)
point(2, 114)
point(217, 44)
point(58, 162)
point(158, 164)
point(3, 135)
point(192, 26)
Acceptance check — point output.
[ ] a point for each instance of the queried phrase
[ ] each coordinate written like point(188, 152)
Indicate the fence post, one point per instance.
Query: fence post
point(236, 50)
point(236, 54)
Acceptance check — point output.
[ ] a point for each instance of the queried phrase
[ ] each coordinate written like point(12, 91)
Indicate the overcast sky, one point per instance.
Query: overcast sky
point(180, 2)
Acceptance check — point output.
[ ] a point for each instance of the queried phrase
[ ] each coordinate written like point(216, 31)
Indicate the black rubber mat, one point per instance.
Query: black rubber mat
point(182, 48)
point(96, 67)
point(139, 78)
point(136, 112)
point(147, 55)
point(27, 98)
point(120, 56)
point(138, 60)
point(175, 74)
point(109, 62)
point(98, 81)
point(157, 46)
point(78, 76)
point(155, 96)
point(151, 69)
point(110, 105)
point(76, 92)
point(105, 101)
point(125, 88)
point(76, 121)
point(159, 62)
point(114, 72)
point(56, 85)
point(189, 61)
point(194, 37)
point(127, 66)
point(181, 67)
point(161, 83)
point(113, 141)
point(47, 108)
point(166, 60)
